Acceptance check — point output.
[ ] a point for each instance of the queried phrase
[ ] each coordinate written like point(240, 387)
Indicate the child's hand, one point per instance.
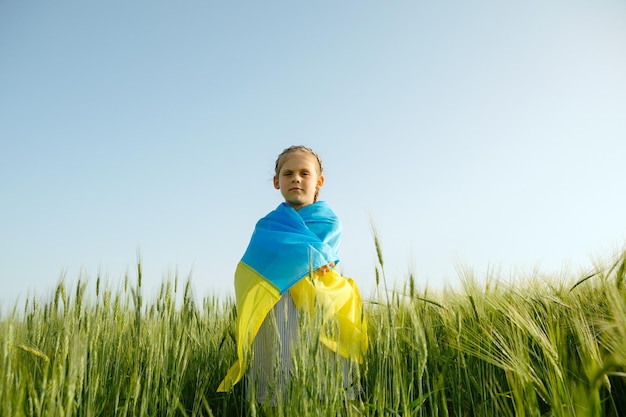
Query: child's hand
point(326, 268)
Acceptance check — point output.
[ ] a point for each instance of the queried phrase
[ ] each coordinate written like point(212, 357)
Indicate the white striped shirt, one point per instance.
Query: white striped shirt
point(271, 368)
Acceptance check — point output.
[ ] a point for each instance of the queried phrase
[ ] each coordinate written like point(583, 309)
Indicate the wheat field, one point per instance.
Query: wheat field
point(545, 346)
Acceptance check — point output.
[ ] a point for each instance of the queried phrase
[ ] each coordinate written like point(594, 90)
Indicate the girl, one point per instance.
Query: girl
point(287, 270)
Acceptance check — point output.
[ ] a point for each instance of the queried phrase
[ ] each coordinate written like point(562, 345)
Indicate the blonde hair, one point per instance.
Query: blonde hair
point(296, 148)
point(299, 148)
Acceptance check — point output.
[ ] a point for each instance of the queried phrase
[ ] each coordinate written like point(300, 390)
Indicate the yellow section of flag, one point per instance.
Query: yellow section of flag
point(337, 298)
point(255, 298)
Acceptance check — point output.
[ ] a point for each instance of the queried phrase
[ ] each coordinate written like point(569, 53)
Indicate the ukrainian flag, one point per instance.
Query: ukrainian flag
point(285, 247)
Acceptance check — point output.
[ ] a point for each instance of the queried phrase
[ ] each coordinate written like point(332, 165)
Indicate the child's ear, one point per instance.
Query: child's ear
point(276, 185)
point(320, 182)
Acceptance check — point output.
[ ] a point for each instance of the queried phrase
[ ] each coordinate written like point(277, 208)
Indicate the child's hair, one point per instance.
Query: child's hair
point(297, 148)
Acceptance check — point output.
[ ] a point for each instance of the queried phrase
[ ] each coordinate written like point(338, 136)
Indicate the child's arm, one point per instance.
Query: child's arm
point(326, 268)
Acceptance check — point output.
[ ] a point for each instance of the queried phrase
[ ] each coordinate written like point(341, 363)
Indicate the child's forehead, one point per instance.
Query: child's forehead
point(298, 159)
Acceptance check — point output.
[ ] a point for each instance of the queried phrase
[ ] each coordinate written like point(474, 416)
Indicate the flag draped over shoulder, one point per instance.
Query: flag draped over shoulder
point(285, 247)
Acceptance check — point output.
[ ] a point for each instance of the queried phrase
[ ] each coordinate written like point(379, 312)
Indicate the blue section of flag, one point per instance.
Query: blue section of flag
point(287, 244)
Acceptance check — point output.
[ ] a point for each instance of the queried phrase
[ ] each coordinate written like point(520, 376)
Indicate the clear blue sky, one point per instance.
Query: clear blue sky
point(486, 134)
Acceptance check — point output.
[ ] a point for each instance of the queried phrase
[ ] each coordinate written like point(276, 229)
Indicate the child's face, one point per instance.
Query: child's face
point(298, 179)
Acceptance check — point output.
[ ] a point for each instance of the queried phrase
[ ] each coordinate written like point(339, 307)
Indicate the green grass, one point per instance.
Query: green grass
point(541, 347)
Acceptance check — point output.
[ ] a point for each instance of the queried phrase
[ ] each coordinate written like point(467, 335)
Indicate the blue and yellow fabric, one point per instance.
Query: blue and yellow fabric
point(285, 247)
